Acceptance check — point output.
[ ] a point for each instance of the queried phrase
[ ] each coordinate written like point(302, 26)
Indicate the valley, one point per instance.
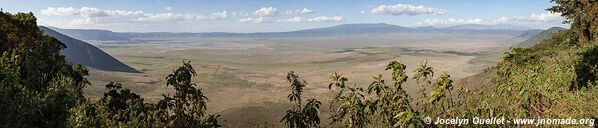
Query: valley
point(243, 72)
point(298, 64)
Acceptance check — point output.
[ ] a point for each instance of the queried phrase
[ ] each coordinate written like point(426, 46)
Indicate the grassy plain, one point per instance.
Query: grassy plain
point(244, 78)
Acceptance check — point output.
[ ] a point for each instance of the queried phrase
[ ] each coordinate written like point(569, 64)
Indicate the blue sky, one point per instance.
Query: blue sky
point(278, 15)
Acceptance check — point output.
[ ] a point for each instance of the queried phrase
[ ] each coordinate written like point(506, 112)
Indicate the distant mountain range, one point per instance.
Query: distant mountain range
point(90, 34)
point(79, 52)
point(492, 27)
point(339, 30)
point(538, 38)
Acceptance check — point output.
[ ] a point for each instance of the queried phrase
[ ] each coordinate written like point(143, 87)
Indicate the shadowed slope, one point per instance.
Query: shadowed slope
point(80, 52)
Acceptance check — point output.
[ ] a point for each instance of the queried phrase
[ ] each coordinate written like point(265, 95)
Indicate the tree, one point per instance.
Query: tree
point(337, 80)
point(390, 105)
point(583, 16)
point(37, 85)
point(421, 75)
point(118, 108)
point(393, 102)
point(118, 99)
point(188, 104)
point(122, 108)
point(301, 116)
point(351, 109)
point(443, 104)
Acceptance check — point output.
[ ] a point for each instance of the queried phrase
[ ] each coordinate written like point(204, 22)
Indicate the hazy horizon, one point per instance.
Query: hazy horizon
point(437, 27)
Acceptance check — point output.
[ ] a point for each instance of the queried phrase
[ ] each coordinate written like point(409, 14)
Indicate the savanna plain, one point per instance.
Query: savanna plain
point(247, 75)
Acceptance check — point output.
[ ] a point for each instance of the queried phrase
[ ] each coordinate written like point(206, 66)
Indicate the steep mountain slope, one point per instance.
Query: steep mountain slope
point(538, 38)
point(80, 52)
point(557, 70)
point(479, 82)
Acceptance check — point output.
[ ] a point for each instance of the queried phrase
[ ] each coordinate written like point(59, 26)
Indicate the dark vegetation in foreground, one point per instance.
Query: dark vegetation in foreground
point(554, 79)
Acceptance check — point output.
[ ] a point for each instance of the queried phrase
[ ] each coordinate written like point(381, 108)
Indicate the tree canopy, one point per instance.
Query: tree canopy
point(37, 84)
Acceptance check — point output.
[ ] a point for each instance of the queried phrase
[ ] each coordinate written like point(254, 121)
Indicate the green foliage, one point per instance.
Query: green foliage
point(38, 86)
point(118, 99)
point(188, 104)
point(423, 72)
point(387, 105)
point(440, 100)
point(586, 68)
point(337, 80)
point(301, 116)
point(554, 79)
point(118, 108)
point(583, 16)
point(122, 108)
point(352, 110)
point(441, 87)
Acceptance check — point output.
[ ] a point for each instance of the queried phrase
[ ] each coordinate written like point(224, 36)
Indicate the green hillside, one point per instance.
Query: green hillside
point(538, 38)
point(555, 78)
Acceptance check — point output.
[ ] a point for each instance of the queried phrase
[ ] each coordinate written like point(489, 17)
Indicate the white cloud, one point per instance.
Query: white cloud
point(288, 13)
point(242, 14)
point(304, 11)
point(60, 11)
point(299, 12)
point(453, 21)
point(213, 16)
point(253, 20)
point(70, 11)
point(546, 19)
point(168, 8)
point(42, 21)
point(95, 15)
point(326, 19)
point(272, 11)
point(314, 19)
point(82, 21)
point(292, 20)
point(88, 12)
point(263, 14)
point(265, 11)
point(162, 17)
point(407, 9)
